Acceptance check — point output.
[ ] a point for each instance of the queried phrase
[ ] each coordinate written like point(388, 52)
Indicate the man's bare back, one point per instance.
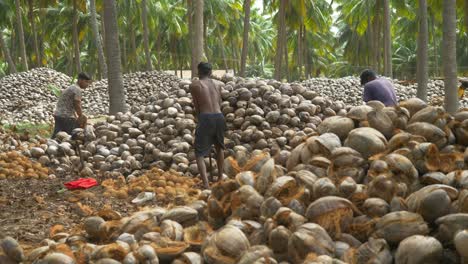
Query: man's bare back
point(206, 96)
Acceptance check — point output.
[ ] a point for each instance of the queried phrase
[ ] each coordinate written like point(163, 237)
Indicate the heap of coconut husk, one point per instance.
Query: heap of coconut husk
point(28, 97)
point(266, 115)
point(140, 87)
point(349, 90)
point(379, 184)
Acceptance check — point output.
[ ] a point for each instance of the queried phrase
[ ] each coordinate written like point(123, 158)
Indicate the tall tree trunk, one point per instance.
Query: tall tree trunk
point(286, 59)
point(436, 61)
point(144, 15)
point(466, 16)
point(234, 57)
point(103, 30)
point(198, 38)
point(19, 22)
point(423, 40)
point(124, 55)
point(193, 66)
point(449, 53)
point(223, 52)
point(6, 54)
point(280, 39)
point(97, 39)
point(76, 42)
point(117, 96)
point(134, 61)
point(34, 32)
point(245, 40)
point(387, 40)
point(372, 46)
point(299, 52)
point(158, 52)
point(307, 57)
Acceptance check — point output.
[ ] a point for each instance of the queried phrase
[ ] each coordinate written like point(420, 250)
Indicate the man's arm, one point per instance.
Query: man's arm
point(193, 92)
point(78, 109)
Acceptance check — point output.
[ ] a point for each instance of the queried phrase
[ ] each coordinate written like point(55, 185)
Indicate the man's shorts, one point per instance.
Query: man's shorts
point(66, 124)
point(210, 131)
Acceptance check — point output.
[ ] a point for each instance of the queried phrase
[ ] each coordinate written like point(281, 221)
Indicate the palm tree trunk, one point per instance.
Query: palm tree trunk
point(466, 16)
point(103, 30)
point(144, 15)
point(286, 59)
point(245, 41)
point(280, 39)
point(387, 40)
point(34, 32)
point(423, 40)
point(117, 96)
point(223, 52)
point(193, 66)
point(124, 55)
point(198, 31)
point(158, 52)
point(134, 61)
point(299, 52)
point(76, 43)
point(6, 54)
point(97, 39)
point(449, 53)
point(19, 22)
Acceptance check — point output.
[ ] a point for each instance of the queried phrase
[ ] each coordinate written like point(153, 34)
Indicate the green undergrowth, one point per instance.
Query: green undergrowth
point(31, 129)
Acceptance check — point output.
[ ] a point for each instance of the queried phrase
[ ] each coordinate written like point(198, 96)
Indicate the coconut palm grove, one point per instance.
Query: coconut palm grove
point(233, 131)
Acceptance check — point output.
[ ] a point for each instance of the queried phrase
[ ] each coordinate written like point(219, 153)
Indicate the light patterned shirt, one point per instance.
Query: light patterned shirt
point(66, 105)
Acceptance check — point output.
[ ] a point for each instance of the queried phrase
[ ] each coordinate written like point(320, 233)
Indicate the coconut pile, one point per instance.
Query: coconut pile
point(26, 96)
point(139, 87)
point(266, 115)
point(349, 90)
point(378, 184)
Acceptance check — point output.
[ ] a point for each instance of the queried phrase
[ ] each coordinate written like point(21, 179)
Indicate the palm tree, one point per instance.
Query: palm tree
point(280, 40)
point(449, 52)
point(76, 43)
point(387, 40)
point(97, 39)
point(197, 49)
point(117, 96)
point(423, 42)
point(34, 33)
point(146, 35)
point(6, 54)
point(19, 22)
point(246, 36)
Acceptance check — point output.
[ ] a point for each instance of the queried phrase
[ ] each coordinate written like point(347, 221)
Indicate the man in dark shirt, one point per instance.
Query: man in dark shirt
point(379, 89)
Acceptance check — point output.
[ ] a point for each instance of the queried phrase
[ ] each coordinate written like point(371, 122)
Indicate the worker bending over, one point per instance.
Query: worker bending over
point(379, 89)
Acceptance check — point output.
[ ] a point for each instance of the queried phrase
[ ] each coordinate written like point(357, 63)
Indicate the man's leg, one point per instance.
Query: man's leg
point(220, 161)
point(56, 127)
point(202, 170)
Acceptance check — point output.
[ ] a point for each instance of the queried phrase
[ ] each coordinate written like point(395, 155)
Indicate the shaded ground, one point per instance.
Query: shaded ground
point(28, 208)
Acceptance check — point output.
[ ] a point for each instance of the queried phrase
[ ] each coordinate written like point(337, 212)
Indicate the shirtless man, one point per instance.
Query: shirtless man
point(211, 124)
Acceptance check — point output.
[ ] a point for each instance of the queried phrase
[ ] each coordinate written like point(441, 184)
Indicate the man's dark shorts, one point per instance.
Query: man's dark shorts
point(210, 131)
point(66, 124)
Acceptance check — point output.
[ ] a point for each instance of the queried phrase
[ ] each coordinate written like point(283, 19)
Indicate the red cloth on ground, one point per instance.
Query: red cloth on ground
point(83, 183)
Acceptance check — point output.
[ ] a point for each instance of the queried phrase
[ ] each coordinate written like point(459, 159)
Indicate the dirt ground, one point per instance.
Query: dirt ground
point(29, 208)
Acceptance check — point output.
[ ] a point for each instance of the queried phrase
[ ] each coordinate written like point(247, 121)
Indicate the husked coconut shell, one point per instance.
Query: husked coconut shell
point(461, 241)
point(366, 141)
point(419, 249)
point(338, 125)
point(309, 238)
point(257, 255)
point(430, 132)
point(359, 113)
point(380, 121)
point(225, 246)
point(183, 215)
point(373, 251)
point(432, 201)
point(12, 249)
point(450, 225)
point(332, 213)
point(413, 105)
point(396, 226)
